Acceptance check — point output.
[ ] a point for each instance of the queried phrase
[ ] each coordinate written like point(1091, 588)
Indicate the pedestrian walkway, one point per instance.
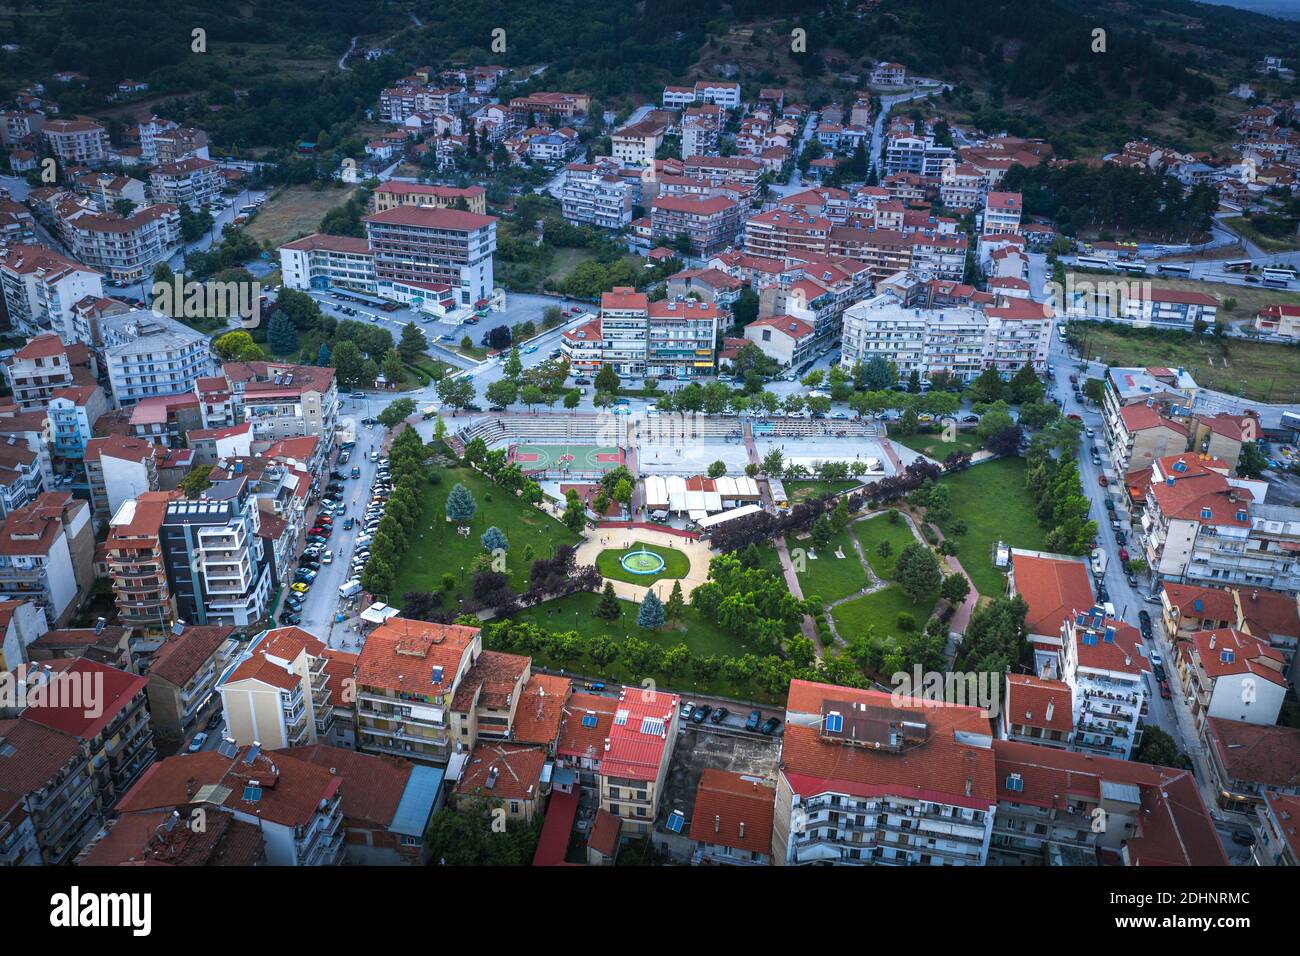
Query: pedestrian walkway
point(605, 539)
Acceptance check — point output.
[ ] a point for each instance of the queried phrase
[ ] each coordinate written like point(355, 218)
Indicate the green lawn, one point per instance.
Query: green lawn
point(577, 613)
point(992, 500)
point(805, 490)
point(829, 577)
point(875, 530)
point(879, 612)
point(933, 445)
point(442, 550)
point(676, 564)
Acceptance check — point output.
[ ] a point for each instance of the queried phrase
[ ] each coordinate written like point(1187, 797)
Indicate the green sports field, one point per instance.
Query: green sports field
point(566, 459)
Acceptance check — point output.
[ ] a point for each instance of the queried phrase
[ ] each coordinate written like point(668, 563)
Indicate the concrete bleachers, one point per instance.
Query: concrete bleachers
point(546, 429)
point(808, 427)
point(677, 427)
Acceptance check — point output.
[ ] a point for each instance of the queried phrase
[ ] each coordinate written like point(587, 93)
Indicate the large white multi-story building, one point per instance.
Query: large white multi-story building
point(76, 142)
point(41, 287)
point(125, 248)
point(191, 182)
point(423, 245)
point(595, 195)
point(320, 261)
point(147, 354)
point(1103, 666)
point(959, 340)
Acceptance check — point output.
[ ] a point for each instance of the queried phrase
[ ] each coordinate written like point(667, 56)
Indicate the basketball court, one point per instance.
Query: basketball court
point(565, 460)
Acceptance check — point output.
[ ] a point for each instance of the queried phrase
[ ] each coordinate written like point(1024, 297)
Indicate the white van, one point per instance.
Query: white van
point(349, 588)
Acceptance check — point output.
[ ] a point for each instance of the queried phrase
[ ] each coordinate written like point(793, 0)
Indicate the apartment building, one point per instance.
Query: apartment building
point(118, 469)
point(583, 348)
point(43, 366)
point(1279, 843)
point(1037, 710)
point(418, 244)
point(391, 194)
point(30, 430)
point(1138, 434)
point(1002, 213)
point(731, 824)
point(73, 411)
point(320, 261)
point(115, 735)
point(281, 400)
point(507, 773)
point(909, 152)
point(1231, 674)
point(1223, 435)
point(75, 142)
point(21, 477)
point(637, 144)
point(51, 776)
point(961, 341)
point(623, 318)
point(46, 550)
point(147, 355)
point(596, 195)
point(125, 248)
point(787, 232)
point(680, 338)
point(1248, 761)
point(1283, 320)
point(1170, 392)
point(1054, 586)
point(724, 93)
point(163, 141)
point(388, 804)
point(708, 223)
point(1057, 808)
point(862, 780)
point(720, 169)
point(41, 288)
point(700, 130)
point(192, 182)
point(786, 339)
point(564, 106)
point(137, 568)
point(1199, 526)
point(1103, 667)
point(637, 751)
point(276, 693)
point(407, 675)
point(216, 563)
point(294, 805)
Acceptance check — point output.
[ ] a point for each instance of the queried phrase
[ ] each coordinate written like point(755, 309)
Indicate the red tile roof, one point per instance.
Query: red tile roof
point(1028, 700)
point(1286, 809)
point(160, 838)
point(541, 709)
point(1053, 588)
point(1267, 756)
point(372, 786)
point(639, 734)
point(1141, 417)
point(114, 690)
point(179, 658)
point(1226, 651)
point(400, 655)
point(733, 810)
point(515, 773)
point(432, 217)
point(943, 768)
point(1174, 828)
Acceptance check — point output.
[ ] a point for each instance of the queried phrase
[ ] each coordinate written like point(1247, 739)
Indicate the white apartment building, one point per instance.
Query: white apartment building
point(189, 182)
point(1102, 665)
point(37, 370)
point(45, 555)
point(1002, 213)
point(76, 142)
point(118, 469)
point(125, 248)
point(147, 354)
point(623, 319)
point(595, 195)
point(322, 262)
point(961, 341)
point(41, 287)
point(724, 93)
point(282, 400)
point(429, 246)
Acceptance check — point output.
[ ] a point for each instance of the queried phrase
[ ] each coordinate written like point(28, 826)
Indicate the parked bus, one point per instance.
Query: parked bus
point(1091, 262)
point(1171, 267)
point(1285, 275)
point(1237, 265)
point(1134, 268)
point(1276, 283)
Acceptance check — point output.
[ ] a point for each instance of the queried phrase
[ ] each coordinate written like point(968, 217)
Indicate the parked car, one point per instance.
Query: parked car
point(719, 715)
point(755, 718)
point(1165, 693)
point(289, 618)
point(196, 744)
point(1123, 554)
point(215, 720)
point(1243, 837)
point(1101, 480)
point(701, 711)
point(1144, 622)
point(769, 726)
